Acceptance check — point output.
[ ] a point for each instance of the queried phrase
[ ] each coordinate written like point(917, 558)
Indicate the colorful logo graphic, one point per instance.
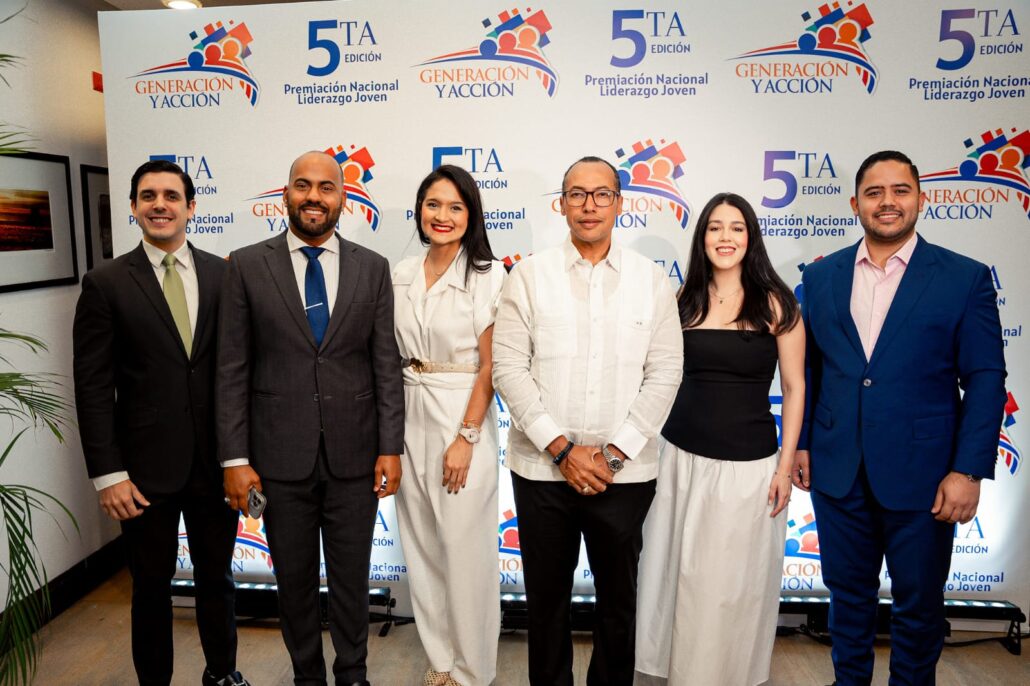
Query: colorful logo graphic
point(1008, 454)
point(357, 172)
point(836, 35)
point(516, 41)
point(653, 171)
point(799, 290)
point(250, 533)
point(802, 538)
point(999, 161)
point(510, 261)
point(508, 535)
point(219, 52)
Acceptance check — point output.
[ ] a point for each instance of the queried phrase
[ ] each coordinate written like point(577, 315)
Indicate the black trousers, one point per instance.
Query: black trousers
point(152, 540)
point(552, 518)
point(342, 513)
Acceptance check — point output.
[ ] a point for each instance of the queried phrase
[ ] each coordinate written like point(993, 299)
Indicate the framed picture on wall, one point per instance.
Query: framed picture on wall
point(96, 215)
point(37, 233)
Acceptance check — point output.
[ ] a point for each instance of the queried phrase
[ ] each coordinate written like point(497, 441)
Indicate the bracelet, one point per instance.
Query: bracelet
point(563, 453)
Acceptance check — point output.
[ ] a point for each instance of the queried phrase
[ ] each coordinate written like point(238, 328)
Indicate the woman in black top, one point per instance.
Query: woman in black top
point(713, 542)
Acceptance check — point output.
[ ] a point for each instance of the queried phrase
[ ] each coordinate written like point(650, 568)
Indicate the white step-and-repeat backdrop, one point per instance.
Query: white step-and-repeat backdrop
point(777, 101)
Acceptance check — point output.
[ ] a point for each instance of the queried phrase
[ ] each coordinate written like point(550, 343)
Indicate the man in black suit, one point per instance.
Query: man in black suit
point(310, 410)
point(144, 346)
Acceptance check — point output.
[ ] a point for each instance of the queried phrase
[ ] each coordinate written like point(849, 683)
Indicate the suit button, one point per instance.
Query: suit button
point(321, 360)
point(315, 397)
point(867, 382)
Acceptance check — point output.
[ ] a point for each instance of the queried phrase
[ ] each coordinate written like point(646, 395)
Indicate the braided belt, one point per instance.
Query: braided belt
point(427, 367)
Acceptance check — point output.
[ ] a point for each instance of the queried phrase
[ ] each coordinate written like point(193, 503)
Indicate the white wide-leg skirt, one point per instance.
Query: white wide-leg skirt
point(710, 573)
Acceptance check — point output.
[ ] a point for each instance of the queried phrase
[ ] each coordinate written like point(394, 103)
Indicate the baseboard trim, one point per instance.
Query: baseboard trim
point(72, 585)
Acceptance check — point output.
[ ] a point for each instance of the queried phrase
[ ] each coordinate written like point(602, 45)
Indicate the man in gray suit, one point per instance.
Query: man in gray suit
point(310, 411)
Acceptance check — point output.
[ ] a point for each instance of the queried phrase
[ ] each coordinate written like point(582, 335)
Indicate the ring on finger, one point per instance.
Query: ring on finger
point(585, 490)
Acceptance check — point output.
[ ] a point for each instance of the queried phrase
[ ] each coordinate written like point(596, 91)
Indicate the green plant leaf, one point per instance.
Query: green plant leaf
point(14, 141)
point(33, 400)
point(15, 13)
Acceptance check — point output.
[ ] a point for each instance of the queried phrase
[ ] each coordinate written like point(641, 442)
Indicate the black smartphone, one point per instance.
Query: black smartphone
point(255, 503)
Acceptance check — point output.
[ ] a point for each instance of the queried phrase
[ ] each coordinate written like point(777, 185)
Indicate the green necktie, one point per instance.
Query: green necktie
point(175, 294)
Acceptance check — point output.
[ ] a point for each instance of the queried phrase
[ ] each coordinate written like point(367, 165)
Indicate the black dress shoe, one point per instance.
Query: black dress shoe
point(231, 679)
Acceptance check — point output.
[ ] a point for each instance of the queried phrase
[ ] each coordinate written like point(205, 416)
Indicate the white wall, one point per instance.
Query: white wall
point(51, 95)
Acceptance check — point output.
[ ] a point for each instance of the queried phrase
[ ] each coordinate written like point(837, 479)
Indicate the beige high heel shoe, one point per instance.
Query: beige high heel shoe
point(434, 678)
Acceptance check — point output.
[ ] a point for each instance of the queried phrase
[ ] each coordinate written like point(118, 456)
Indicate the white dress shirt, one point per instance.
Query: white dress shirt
point(329, 259)
point(591, 352)
point(188, 274)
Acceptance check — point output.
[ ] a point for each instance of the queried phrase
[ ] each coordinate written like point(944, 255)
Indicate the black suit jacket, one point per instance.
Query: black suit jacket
point(277, 392)
point(143, 405)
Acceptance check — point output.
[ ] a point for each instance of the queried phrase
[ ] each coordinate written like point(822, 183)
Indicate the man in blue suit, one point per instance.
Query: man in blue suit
point(893, 453)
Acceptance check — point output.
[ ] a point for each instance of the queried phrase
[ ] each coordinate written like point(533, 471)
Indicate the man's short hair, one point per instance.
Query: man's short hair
point(884, 156)
point(600, 160)
point(159, 167)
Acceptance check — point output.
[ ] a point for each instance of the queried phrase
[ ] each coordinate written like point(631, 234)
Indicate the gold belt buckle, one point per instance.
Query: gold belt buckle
point(417, 365)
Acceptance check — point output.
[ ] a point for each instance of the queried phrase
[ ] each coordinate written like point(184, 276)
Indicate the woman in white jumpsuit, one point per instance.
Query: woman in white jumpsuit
point(445, 301)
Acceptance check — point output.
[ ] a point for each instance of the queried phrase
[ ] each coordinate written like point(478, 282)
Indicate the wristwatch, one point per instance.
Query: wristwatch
point(470, 432)
point(974, 479)
point(614, 462)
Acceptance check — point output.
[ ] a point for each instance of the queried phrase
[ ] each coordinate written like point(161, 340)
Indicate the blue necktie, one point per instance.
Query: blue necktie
point(315, 299)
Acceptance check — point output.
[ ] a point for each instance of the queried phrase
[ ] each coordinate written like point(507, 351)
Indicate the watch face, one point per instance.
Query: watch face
point(471, 435)
point(615, 464)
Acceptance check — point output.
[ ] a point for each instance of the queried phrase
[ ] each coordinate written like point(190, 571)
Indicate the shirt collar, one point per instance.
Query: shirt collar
point(156, 255)
point(904, 253)
point(455, 274)
point(295, 244)
point(613, 259)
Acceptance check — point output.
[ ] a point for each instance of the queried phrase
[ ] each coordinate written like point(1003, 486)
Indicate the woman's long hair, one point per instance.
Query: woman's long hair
point(477, 246)
point(757, 278)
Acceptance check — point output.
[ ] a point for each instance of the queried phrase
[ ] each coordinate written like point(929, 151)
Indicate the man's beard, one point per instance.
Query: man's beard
point(307, 228)
point(890, 237)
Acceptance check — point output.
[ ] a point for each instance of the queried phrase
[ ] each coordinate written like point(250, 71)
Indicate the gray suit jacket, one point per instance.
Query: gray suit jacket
point(276, 391)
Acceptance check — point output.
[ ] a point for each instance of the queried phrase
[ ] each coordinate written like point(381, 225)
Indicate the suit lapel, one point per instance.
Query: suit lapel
point(350, 272)
point(843, 281)
point(918, 275)
point(142, 273)
point(281, 267)
point(207, 285)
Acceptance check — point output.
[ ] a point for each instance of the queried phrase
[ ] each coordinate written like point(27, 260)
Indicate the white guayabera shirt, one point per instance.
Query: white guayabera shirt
point(591, 352)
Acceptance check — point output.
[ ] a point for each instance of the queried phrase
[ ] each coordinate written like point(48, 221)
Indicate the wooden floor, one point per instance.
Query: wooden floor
point(89, 645)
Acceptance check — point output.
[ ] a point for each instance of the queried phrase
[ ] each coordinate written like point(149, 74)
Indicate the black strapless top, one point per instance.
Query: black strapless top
point(722, 407)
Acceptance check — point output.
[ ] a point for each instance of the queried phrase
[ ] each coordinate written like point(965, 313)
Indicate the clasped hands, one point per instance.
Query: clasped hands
point(584, 472)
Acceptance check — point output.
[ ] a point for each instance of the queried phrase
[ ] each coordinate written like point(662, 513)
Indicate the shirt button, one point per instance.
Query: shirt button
point(867, 382)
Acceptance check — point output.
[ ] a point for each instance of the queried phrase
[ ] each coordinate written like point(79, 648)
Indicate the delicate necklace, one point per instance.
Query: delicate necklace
point(440, 273)
point(722, 298)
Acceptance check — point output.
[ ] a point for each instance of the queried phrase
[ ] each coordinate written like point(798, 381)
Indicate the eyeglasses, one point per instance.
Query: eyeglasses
point(602, 197)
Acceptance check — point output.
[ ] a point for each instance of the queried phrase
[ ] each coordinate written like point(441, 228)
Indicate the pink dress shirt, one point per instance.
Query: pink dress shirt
point(873, 289)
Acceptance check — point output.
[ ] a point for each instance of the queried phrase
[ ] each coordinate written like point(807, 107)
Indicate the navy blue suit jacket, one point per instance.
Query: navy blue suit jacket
point(900, 412)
